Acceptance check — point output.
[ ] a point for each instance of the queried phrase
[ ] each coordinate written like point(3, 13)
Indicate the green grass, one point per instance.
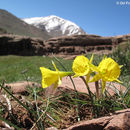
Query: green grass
point(12, 67)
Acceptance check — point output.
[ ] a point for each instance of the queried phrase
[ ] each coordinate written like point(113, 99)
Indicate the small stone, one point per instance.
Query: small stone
point(51, 128)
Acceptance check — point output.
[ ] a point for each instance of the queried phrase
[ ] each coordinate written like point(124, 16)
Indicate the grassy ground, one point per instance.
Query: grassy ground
point(13, 67)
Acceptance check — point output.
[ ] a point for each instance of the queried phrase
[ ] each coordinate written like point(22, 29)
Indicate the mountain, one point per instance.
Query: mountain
point(55, 26)
point(13, 25)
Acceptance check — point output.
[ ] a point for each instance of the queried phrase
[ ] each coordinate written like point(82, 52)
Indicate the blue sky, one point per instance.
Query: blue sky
point(101, 17)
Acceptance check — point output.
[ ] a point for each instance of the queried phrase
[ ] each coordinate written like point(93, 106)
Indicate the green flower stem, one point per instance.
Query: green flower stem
point(74, 85)
point(89, 92)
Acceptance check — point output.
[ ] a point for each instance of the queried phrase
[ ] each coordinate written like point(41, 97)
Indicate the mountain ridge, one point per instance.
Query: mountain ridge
point(9, 23)
point(55, 25)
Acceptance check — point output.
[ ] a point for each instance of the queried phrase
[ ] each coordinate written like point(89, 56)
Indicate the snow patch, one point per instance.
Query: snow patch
point(55, 25)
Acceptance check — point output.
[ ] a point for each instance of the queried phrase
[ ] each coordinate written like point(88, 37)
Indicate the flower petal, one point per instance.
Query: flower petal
point(55, 85)
point(87, 77)
point(60, 81)
point(103, 86)
point(54, 66)
point(118, 81)
point(81, 65)
point(109, 69)
point(50, 77)
point(91, 59)
point(95, 78)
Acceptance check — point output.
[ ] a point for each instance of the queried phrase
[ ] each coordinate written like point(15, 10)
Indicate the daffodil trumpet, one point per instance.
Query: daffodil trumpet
point(108, 70)
point(50, 77)
point(82, 66)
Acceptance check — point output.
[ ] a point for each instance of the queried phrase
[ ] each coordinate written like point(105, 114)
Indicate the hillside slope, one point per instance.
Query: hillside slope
point(11, 24)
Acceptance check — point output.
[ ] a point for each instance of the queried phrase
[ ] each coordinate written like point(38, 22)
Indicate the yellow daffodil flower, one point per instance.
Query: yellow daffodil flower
point(108, 70)
point(50, 77)
point(82, 66)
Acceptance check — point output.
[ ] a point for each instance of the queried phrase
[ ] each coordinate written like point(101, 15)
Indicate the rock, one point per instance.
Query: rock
point(121, 38)
point(5, 126)
point(19, 45)
point(66, 45)
point(120, 120)
point(51, 128)
point(21, 87)
point(78, 44)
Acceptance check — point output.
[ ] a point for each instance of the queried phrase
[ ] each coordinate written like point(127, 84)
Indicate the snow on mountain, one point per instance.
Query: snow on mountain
point(55, 26)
